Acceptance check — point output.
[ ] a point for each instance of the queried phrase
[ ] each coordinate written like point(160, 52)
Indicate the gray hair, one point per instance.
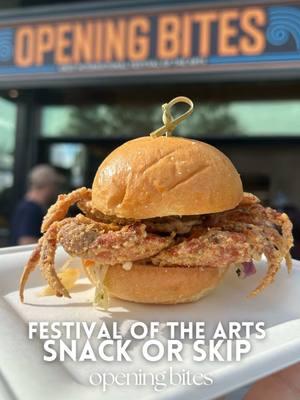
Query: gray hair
point(43, 175)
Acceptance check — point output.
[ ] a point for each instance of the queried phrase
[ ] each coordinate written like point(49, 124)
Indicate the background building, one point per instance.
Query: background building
point(79, 78)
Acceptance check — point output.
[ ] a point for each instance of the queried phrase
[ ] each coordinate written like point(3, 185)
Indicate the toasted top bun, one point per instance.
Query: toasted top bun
point(156, 177)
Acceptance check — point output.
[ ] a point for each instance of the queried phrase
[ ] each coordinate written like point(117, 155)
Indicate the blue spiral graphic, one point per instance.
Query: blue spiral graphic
point(6, 44)
point(283, 23)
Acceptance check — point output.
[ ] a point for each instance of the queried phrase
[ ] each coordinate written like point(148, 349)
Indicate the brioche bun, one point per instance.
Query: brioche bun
point(156, 177)
point(160, 285)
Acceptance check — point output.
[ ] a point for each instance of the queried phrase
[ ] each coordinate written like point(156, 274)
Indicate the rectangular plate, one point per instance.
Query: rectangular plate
point(25, 375)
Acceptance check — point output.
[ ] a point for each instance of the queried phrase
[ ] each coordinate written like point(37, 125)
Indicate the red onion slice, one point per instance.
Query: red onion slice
point(247, 269)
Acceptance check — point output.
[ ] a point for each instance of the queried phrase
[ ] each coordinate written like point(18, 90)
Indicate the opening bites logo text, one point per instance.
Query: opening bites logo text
point(228, 32)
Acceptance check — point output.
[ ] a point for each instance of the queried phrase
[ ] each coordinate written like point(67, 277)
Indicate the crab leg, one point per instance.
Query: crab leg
point(64, 201)
point(30, 267)
point(283, 221)
point(45, 253)
point(47, 261)
point(273, 268)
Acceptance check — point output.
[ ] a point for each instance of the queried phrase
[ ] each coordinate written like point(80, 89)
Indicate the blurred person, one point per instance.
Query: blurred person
point(43, 186)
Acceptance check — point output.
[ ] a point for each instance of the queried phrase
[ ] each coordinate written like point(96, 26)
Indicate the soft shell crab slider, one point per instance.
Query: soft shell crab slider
point(165, 219)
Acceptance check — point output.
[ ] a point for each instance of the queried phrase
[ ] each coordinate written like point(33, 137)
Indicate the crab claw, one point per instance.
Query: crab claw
point(64, 201)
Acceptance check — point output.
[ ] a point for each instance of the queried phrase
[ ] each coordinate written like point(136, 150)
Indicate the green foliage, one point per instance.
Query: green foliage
point(132, 121)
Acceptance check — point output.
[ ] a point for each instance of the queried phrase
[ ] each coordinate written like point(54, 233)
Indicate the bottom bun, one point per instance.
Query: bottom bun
point(161, 285)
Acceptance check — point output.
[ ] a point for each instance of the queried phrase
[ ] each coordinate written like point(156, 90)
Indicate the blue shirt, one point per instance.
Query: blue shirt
point(26, 221)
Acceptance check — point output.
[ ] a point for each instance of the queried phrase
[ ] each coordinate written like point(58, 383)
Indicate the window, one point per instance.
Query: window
point(7, 147)
point(69, 157)
point(243, 118)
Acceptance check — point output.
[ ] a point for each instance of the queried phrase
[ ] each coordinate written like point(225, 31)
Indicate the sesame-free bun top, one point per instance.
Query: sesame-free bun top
point(160, 176)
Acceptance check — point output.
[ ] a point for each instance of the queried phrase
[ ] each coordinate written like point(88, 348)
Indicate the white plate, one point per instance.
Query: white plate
point(24, 375)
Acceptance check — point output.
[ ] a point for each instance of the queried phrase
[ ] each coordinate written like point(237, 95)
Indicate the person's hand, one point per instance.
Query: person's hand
point(283, 385)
